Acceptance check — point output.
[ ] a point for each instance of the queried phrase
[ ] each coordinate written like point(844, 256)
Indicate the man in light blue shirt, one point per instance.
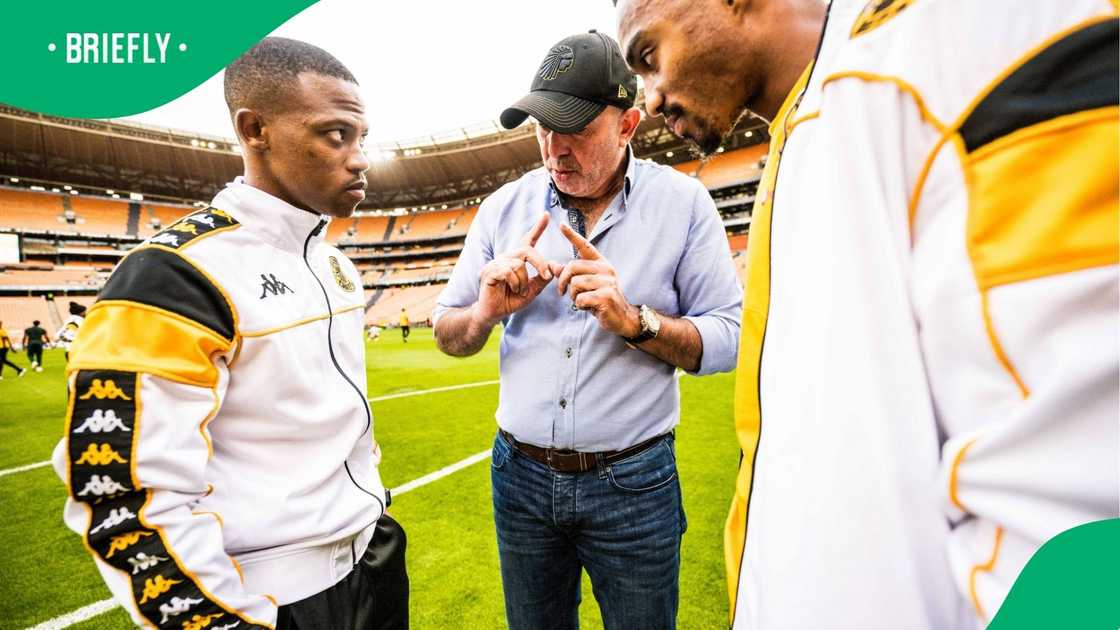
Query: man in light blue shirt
point(641, 283)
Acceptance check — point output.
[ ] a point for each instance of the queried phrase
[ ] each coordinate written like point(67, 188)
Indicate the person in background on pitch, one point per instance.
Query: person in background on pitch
point(929, 330)
point(644, 285)
point(69, 330)
point(405, 330)
point(5, 346)
point(220, 456)
point(33, 340)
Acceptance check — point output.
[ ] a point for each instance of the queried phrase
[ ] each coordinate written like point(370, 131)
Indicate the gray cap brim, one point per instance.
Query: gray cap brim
point(559, 112)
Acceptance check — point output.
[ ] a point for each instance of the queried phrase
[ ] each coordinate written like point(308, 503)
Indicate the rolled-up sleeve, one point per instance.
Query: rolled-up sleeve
point(462, 289)
point(708, 289)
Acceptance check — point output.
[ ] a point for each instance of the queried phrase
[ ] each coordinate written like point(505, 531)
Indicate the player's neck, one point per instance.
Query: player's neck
point(801, 33)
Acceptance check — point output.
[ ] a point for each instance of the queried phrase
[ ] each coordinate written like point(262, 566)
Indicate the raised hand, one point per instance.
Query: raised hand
point(593, 284)
point(504, 284)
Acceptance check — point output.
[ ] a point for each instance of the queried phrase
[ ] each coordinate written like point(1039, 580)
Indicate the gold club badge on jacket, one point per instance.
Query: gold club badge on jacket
point(340, 278)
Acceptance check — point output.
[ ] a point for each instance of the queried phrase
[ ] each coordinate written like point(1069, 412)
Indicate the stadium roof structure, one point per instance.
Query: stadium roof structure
point(453, 167)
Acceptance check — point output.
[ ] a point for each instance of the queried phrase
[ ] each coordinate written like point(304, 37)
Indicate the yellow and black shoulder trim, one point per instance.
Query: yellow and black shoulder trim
point(1076, 73)
point(876, 13)
point(193, 227)
point(156, 277)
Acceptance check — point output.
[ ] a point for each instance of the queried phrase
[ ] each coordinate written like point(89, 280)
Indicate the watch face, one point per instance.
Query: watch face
point(650, 321)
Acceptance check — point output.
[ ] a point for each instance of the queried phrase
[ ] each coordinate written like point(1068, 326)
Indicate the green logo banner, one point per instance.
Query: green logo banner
point(108, 59)
point(1073, 581)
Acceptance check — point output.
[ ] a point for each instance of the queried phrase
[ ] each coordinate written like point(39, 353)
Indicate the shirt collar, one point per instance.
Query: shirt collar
point(277, 221)
point(627, 183)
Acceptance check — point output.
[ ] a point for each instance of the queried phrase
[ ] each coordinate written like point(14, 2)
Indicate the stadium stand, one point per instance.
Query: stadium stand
point(71, 241)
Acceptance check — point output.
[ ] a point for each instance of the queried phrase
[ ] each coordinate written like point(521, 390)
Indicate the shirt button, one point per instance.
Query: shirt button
point(574, 307)
point(568, 353)
point(563, 403)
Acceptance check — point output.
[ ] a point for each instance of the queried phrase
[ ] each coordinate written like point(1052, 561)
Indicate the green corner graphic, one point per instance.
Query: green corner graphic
point(1072, 582)
point(101, 59)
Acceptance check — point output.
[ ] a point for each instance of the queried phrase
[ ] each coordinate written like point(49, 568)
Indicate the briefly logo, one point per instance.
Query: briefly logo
point(558, 61)
point(100, 456)
point(102, 421)
point(270, 285)
point(101, 391)
point(340, 278)
point(154, 587)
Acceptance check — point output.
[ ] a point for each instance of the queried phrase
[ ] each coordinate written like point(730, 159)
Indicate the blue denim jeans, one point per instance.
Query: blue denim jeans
point(622, 523)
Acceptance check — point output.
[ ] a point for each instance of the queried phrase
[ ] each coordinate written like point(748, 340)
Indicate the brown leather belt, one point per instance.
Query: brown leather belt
point(566, 461)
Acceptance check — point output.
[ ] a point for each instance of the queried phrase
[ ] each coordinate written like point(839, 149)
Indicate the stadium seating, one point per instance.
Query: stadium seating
point(17, 313)
point(723, 169)
point(33, 211)
point(99, 216)
point(419, 302)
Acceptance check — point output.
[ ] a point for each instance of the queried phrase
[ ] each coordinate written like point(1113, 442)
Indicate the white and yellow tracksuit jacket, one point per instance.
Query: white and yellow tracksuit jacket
point(927, 387)
point(219, 444)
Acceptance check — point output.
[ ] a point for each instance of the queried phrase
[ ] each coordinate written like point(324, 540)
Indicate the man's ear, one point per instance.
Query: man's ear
point(251, 129)
point(628, 125)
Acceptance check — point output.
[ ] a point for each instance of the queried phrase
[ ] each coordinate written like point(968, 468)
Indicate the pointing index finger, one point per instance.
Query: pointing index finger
point(534, 234)
point(584, 247)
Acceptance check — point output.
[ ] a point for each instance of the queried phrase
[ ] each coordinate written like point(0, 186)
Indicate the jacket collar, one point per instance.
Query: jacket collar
point(274, 220)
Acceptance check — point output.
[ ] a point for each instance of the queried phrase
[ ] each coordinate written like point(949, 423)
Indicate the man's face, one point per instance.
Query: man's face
point(316, 150)
point(582, 164)
point(689, 54)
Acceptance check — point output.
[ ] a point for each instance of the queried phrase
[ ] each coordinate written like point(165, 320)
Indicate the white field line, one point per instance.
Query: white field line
point(19, 469)
point(81, 614)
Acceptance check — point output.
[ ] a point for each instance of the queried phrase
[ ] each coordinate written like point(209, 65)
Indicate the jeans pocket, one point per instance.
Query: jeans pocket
point(653, 469)
point(499, 453)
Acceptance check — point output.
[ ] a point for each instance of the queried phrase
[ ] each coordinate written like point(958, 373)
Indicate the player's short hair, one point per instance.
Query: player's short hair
point(262, 75)
point(35, 323)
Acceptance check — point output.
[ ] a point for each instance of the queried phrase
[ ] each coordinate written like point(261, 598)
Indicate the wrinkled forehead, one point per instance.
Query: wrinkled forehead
point(322, 95)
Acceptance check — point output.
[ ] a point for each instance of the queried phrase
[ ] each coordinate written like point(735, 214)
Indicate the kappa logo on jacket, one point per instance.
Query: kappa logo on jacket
point(102, 390)
point(194, 226)
point(270, 285)
point(102, 421)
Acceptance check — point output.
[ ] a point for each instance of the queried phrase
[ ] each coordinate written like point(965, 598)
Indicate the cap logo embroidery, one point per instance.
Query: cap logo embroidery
point(622, 93)
point(558, 61)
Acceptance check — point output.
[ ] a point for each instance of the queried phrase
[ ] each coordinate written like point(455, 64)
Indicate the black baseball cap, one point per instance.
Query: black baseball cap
point(578, 78)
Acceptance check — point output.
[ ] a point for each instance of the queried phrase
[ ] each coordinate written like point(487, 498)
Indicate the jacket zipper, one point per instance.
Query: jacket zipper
point(334, 360)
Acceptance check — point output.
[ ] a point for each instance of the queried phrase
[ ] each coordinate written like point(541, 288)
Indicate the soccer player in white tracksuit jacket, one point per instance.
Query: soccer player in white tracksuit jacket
point(219, 447)
point(927, 380)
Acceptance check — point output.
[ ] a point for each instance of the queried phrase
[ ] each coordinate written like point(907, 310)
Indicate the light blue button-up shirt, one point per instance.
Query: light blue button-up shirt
point(566, 382)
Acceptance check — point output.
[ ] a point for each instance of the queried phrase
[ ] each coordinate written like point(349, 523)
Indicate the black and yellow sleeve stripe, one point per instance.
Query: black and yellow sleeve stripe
point(102, 429)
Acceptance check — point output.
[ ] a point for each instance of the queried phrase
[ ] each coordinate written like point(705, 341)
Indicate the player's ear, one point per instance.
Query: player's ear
point(251, 129)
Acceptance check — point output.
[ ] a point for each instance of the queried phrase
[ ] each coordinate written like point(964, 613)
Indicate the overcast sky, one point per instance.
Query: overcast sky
point(425, 66)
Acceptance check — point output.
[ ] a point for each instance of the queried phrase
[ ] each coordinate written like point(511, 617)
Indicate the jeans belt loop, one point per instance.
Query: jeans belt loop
point(602, 467)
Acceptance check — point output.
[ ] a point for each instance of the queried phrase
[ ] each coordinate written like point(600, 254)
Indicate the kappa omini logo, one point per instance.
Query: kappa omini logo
point(198, 622)
point(166, 238)
point(116, 517)
point(102, 421)
point(185, 228)
point(154, 587)
point(100, 455)
point(201, 219)
point(142, 562)
point(221, 213)
point(177, 605)
point(228, 626)
point(340, 278)
point(103, 390)
point(102, 485)
point(270, 285)
point(558, 61)
point(877, 13)
point(124, 541)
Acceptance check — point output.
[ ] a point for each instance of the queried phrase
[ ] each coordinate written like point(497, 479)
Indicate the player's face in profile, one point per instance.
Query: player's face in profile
point(581, 164)
point(689, 68)
point(317, 145)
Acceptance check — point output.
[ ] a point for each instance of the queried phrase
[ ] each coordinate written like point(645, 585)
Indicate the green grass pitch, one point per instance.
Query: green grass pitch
point(452, 553)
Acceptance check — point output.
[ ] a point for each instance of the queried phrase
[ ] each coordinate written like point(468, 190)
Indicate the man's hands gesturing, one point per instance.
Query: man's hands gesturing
point(504, 284)
point(594, 287)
